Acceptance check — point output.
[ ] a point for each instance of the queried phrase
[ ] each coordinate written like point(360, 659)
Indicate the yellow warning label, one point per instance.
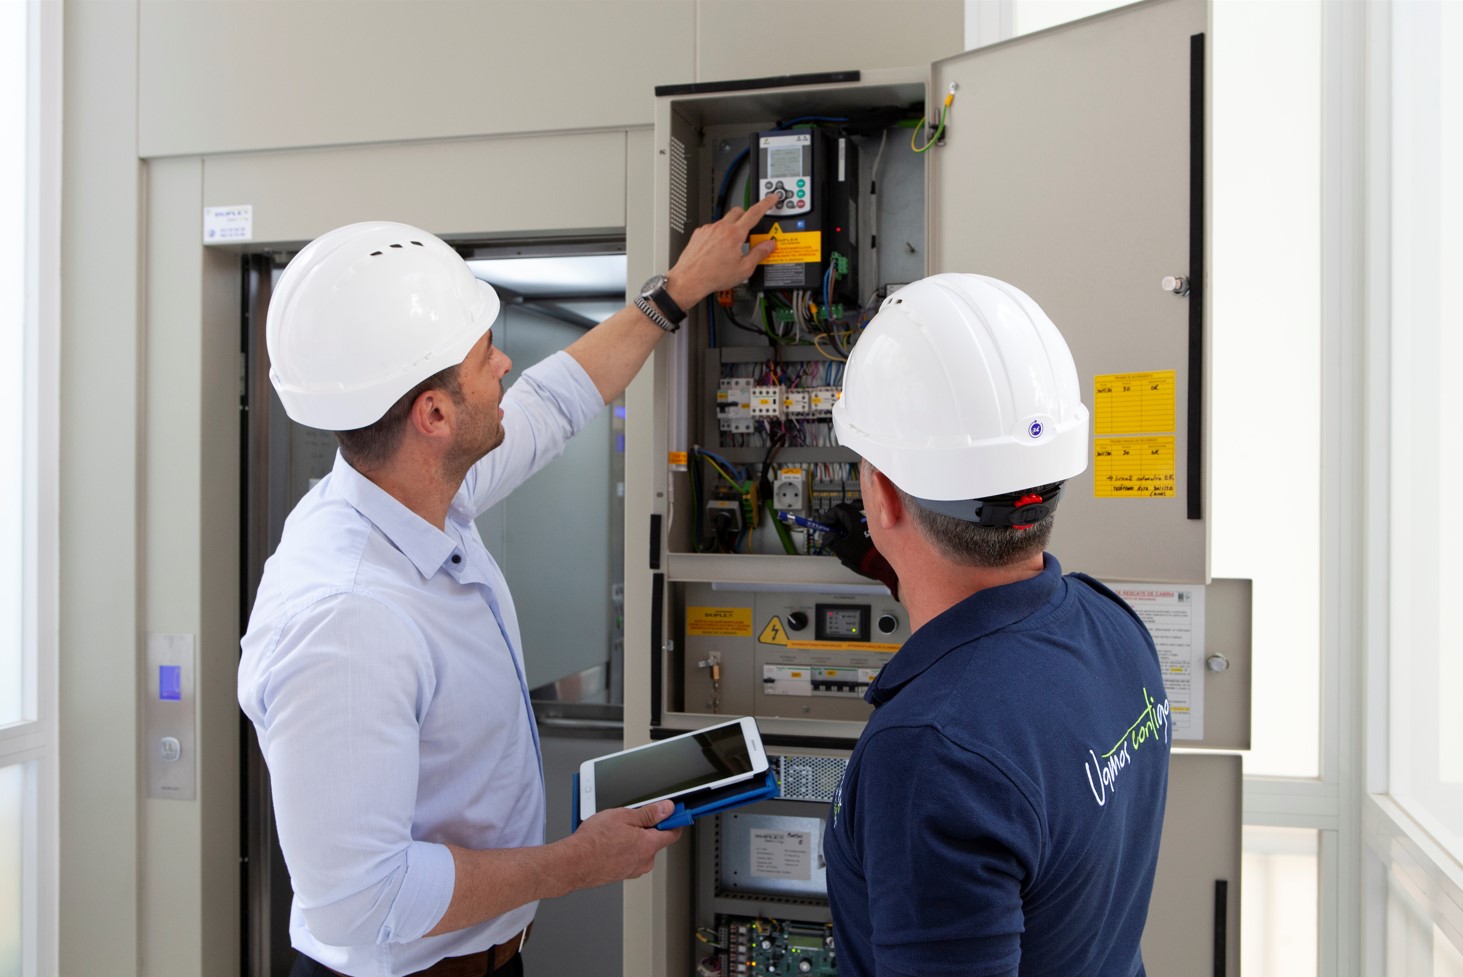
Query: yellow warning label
point(719, 622)
point(1134, 403)
point(677, 459)
point(1141, 468)
point(773, 633)
point(793, 247)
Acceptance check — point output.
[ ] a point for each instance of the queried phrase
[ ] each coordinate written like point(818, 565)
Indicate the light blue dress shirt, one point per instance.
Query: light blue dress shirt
point(383, 672)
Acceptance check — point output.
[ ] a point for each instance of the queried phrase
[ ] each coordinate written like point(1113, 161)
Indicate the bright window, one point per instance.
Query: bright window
point(14, 187)
point(1281, 873)
point(12, 861)
point(29, 283)
point(1427, 398)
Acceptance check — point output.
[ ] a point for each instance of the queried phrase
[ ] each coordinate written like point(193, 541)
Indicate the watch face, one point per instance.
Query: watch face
point(649, 287)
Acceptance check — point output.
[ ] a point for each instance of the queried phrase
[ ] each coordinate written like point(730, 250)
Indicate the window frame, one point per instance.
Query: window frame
point(1397, 850)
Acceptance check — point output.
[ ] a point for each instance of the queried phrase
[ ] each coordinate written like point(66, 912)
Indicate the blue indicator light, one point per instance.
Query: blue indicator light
point(170, 682)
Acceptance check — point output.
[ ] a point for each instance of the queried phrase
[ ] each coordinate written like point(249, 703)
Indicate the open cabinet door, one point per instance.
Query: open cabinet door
point(1073, 166)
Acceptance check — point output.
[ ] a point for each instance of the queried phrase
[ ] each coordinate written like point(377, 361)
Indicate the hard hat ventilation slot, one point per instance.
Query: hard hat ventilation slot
point(375, 254)
point(396, 246)
point(419, 244)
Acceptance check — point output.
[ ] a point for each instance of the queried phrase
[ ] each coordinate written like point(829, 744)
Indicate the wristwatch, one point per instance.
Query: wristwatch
point(658, 306)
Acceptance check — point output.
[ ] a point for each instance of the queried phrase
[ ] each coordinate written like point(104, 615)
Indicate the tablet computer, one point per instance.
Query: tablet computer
point(702, 760)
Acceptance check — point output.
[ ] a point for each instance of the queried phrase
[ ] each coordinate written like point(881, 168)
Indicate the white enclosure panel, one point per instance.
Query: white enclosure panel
point(552, 535)
point(735, 39)
point(1066, 171)
point(521, 186)
point(1201, 847)
point(274, 74)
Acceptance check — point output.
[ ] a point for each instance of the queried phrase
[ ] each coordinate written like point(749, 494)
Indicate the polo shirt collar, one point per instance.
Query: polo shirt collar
point(425, 545)
point(978, 615)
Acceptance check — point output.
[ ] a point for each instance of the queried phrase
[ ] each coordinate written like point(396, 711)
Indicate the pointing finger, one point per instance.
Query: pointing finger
point(757, 211)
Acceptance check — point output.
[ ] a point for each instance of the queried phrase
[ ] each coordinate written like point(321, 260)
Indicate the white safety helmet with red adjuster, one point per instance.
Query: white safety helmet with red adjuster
point(964, 394)
point(363, 314)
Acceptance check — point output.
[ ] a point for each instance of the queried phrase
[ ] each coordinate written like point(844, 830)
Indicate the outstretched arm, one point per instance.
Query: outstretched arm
point(613, 352)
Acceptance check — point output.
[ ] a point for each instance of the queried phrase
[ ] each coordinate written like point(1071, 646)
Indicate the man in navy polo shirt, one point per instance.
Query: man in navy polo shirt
point(1001, 812)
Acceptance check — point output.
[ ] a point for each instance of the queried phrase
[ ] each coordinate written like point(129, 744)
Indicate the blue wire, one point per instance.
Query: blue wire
point(734, 469)
point(726, 181)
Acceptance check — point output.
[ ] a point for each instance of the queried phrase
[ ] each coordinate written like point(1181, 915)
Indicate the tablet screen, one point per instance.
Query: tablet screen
point(683, 763)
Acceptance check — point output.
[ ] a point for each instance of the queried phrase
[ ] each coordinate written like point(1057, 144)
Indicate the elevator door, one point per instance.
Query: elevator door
point(573, 659)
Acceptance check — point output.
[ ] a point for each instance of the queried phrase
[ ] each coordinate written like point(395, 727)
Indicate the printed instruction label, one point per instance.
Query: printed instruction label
point(719, 622)
point(234, 223)
point(1140, 468)
point(793, 247)
point(782, 855)
point(1174, 617)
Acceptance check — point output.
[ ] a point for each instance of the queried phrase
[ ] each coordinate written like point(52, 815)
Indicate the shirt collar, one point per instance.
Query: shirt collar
point(425, 545)
point(982, 613)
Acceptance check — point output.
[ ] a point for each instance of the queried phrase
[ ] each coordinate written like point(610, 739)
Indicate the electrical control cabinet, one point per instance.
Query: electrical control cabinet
point(1070, 163)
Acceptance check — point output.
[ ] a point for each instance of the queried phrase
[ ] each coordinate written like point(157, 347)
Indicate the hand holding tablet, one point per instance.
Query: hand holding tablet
point(708, 769)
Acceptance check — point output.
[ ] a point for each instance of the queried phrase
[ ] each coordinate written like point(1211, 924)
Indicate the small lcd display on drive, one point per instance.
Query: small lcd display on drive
point(843, 622)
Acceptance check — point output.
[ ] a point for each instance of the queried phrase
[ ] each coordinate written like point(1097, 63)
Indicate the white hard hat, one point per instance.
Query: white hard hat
point(363, 314)
point(961, 388)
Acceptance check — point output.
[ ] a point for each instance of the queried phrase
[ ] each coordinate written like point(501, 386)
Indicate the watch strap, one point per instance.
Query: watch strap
point(648, 309)
point(667, 305)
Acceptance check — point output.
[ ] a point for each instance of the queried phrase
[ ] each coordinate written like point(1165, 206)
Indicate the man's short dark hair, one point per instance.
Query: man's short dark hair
point(972, 544)
point(373, 445)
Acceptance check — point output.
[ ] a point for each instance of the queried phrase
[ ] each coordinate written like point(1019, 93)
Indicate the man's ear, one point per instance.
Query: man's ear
point(432, 414)
point(888, 507)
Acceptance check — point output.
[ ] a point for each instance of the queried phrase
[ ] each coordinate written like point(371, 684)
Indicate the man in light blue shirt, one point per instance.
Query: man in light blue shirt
point(383, 666)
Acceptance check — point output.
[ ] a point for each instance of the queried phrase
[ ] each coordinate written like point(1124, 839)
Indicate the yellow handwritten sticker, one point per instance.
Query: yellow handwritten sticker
point(677, 460)
point(1134, 403)
point(793, 247)
point(1134, 468)
point(774, 633)
point(719, 622)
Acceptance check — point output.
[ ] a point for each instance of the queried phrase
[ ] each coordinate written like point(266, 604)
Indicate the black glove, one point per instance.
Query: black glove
point(848, 539)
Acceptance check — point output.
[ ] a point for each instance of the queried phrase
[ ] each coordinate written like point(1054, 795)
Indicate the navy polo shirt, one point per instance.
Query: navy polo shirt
point(1002, 809)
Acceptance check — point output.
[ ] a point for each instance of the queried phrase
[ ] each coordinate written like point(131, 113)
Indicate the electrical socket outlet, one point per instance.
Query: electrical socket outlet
point(788, 494)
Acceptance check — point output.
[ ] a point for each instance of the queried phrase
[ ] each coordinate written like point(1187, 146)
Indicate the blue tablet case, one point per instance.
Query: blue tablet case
point(693, 806)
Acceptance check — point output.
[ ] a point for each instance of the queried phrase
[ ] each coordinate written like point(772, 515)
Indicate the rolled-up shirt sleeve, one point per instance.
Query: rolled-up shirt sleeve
point(551, 402)
point(340, 711)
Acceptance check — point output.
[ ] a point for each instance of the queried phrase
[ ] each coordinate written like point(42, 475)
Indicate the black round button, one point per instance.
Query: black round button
point(796, 621)
point(456, 557)
point(888, 623)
